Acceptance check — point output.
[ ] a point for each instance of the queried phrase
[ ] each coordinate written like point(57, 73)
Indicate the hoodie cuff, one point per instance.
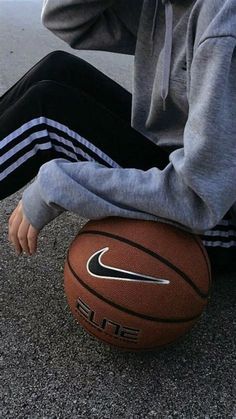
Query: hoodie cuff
point(36, 210)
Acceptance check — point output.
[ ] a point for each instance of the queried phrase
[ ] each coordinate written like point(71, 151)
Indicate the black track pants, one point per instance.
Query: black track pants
point(74, 98)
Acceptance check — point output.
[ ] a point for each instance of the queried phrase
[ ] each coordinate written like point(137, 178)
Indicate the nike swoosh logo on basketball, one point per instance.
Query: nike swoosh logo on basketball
point(96, 268)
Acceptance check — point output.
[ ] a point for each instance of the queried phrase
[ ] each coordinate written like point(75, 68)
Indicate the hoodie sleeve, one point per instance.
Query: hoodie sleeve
point(106, 25)
point(196, 188)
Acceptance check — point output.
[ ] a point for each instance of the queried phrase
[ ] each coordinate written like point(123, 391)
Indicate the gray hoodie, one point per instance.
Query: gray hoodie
point(184, 99)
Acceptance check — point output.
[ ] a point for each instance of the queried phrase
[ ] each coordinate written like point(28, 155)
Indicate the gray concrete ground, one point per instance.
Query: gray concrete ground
point(50, 367)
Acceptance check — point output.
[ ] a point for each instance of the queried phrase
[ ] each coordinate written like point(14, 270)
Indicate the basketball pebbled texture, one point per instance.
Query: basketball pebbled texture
point(136, 312)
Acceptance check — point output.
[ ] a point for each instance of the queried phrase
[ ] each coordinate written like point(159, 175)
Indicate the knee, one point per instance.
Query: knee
point(58, 60)
point(61, 61)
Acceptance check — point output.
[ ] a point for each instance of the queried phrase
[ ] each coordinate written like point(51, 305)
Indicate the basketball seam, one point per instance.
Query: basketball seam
point(124, 309)
point(151, 253)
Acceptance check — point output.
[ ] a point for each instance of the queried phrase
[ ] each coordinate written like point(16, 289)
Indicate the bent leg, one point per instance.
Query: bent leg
point(53, 120)
point(67, 69)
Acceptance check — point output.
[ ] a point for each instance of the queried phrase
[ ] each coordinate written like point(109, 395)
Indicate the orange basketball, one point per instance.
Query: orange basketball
point(137, 285)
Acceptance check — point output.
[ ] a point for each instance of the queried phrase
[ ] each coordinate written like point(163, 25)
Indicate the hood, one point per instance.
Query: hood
point(167, 46)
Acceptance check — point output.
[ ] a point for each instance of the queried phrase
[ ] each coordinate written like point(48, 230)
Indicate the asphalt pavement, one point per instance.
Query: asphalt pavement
point(50, 367)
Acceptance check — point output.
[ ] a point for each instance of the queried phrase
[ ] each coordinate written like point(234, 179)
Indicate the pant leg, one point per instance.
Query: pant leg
point(65, 68)
point(220, 243)
point(52, 120)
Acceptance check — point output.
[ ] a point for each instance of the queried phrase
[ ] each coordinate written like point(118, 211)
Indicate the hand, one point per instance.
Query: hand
point(21, 233)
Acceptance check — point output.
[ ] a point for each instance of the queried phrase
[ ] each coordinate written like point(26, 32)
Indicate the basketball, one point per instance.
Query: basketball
point(136, 285)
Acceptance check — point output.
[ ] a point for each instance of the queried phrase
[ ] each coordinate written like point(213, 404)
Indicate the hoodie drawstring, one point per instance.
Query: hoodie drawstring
point(167, 46)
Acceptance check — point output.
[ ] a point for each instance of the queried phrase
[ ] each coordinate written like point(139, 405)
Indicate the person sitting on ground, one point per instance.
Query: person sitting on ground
point(165, 152)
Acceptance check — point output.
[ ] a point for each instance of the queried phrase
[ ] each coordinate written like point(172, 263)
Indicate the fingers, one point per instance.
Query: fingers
point(24, 237)
point(32, 238)
point(22, 234)
point(13, 238)
point(15, 213)
point(14, 224)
